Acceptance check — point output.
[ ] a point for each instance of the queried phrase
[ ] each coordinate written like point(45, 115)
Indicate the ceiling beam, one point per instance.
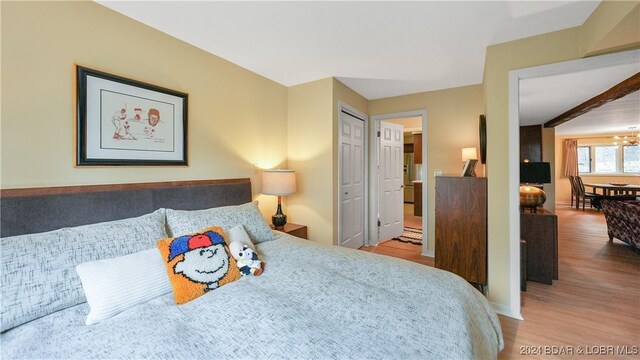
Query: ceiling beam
point(622, 89)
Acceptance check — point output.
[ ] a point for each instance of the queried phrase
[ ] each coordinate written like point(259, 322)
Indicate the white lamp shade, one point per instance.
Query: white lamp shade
point(278, 182)
point(469, 153)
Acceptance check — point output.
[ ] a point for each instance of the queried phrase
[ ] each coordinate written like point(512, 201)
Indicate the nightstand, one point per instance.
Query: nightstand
point(295, 230)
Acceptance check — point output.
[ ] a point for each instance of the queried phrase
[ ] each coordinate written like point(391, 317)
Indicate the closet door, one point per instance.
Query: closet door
point(351, 181)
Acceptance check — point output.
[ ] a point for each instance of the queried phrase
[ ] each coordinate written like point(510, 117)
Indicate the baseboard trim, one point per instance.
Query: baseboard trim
point(506, 311)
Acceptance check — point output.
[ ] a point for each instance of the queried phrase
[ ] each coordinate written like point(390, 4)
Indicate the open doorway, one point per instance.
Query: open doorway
point(408, 232)
point(579, 236)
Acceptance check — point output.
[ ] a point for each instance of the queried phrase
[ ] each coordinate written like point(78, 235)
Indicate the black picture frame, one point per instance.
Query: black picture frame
point(483, 139)
point(108, 133)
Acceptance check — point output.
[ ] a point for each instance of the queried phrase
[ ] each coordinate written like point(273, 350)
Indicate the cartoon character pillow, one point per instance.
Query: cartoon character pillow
point(198, 263)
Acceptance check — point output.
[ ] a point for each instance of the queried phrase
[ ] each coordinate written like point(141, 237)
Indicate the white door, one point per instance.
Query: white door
point(351, 181)
point(390, 181)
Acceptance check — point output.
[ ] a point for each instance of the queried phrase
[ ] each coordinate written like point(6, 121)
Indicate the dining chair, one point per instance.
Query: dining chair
point(573, 190)
point(582, 194)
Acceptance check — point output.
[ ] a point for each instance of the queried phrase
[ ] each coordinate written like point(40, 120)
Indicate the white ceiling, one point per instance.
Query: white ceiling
point(379, 49)
point(544, 98)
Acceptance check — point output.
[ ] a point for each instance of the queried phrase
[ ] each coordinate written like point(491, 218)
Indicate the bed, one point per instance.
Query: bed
point(312, 301)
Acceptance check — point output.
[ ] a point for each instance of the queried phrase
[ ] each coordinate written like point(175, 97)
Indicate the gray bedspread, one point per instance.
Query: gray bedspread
point(312, 302)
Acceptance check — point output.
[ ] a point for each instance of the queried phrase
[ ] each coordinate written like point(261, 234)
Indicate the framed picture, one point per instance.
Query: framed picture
point(483, 139)
point(469, 168)
point(127, 122)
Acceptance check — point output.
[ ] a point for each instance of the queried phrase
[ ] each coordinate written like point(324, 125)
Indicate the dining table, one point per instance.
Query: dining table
point(610, 189)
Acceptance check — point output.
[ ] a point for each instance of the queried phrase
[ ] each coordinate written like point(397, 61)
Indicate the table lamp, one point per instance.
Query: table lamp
point(281, 183)
point(533, 173)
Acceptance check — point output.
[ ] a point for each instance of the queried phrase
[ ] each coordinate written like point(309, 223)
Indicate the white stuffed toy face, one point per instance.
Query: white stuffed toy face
point(247, 254)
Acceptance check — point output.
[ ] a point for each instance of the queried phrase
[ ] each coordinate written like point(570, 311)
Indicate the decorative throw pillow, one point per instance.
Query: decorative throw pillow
point(117, 284)
point(184, 222)
point(198, 263)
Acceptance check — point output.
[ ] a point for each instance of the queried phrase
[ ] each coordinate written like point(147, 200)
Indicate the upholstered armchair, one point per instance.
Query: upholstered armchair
point(623, 221)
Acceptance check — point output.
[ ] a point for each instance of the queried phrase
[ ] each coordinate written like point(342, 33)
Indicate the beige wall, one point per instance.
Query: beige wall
point(310, 154)
point(563, 188)
point(614, 25)
point(313, 114)
point(236, 118)
point(605, 24)
point(452, 124)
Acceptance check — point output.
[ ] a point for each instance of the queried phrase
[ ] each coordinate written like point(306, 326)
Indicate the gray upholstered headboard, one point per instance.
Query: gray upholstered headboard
point(24, 211)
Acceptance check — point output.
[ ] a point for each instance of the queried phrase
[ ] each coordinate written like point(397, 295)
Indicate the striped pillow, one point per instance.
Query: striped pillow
point(115, 285)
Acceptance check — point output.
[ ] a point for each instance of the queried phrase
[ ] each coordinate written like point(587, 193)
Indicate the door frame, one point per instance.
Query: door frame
point(350, 109)
point(515, 76)
point(373, 177)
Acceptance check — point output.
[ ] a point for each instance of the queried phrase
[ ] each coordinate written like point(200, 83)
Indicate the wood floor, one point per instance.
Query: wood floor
point(596, 301)
point(401, 250)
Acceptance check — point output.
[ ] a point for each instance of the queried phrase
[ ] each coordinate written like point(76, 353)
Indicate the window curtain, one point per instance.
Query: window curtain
point(571, 157)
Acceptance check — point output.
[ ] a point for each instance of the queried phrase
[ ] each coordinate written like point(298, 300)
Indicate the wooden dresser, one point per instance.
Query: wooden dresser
point(461, 227)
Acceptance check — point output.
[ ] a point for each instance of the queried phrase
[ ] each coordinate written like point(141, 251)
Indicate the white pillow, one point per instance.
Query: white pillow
point(238, 237)
point(111, 286)
point(238, 233)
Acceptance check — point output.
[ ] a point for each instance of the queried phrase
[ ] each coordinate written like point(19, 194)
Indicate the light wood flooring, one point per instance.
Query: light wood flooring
point(596, 301)
point(401, 250)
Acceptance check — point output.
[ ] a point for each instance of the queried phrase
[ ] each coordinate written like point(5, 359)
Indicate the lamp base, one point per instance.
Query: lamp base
point(279, 220)
point(531, 197)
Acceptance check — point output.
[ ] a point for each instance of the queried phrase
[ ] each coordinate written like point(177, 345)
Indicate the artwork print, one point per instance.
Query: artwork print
point(127, 122)
point(134, 123)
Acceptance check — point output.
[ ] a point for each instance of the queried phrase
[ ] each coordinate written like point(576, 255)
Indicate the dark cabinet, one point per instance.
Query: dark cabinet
point(417, 148)
point(417, 199)
point(540, 231)
point(461, 227)
point(531, 143)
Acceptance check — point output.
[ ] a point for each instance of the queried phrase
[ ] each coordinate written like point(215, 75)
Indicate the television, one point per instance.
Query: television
point(535, 173)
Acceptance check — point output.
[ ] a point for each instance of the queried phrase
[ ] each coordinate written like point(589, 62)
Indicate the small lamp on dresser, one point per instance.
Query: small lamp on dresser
point(280, 183)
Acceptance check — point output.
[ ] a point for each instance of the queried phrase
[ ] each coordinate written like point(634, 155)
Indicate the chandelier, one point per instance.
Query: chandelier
point(627, 140)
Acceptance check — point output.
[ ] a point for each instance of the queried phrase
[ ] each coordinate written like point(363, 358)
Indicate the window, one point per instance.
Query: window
point(631, 159)
point(606, 159)
point(609, 159)
point(584, 159)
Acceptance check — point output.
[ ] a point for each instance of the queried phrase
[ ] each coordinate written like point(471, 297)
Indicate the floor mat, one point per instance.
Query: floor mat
point(410, 235)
